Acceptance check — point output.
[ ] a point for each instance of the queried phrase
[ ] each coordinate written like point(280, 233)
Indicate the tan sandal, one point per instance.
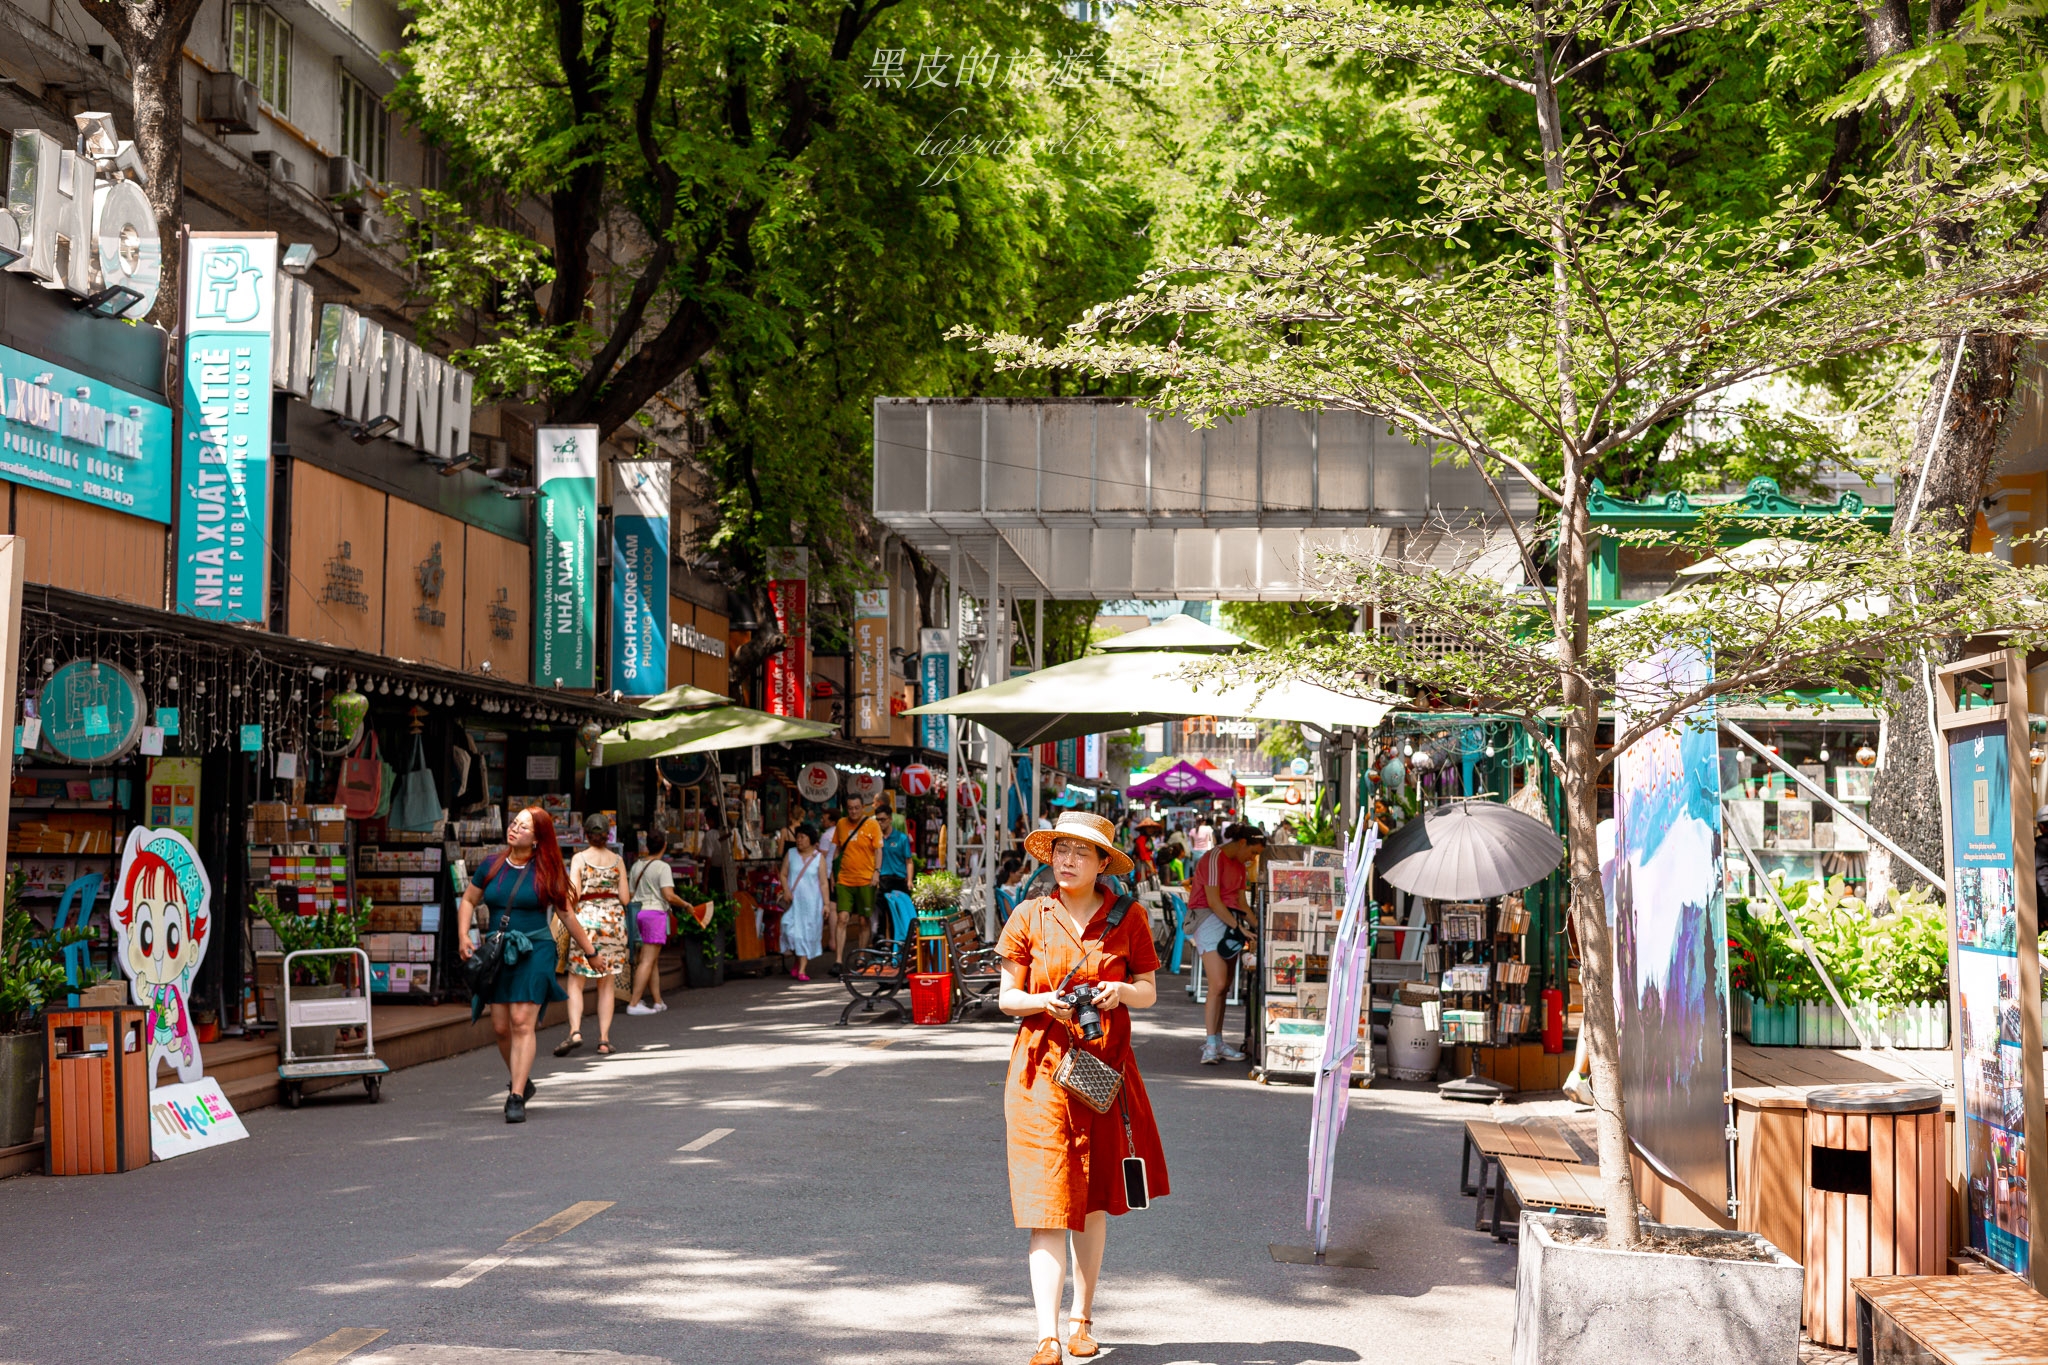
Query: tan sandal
point(1081, 1344)
point(1048, 1352)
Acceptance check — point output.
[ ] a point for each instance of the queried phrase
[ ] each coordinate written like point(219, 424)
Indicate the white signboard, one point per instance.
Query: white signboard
point(185, 1118)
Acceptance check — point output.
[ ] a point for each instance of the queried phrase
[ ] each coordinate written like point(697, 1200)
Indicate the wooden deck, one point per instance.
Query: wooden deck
point(1779, 1077)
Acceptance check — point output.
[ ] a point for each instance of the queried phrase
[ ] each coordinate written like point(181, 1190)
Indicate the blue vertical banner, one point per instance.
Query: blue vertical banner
point(223, 518)
point(935, 671)
point(640, 505)
point(1984, 908)
point(565, 557)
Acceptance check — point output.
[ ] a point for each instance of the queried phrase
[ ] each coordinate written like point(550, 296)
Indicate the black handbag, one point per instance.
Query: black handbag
point(480, 969)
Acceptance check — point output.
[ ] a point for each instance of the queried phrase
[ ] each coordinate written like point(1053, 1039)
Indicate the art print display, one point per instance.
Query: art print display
point(1287, 923)
point(161, 918)
point(1664, 899)
point(1294, 883)
point(1988, 994)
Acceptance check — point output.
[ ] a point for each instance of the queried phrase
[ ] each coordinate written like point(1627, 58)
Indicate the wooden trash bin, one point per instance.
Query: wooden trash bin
point(97, 1062)
point(1877, 1196)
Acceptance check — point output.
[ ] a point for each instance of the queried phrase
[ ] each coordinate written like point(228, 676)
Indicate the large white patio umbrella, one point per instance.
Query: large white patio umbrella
point(1118, 691)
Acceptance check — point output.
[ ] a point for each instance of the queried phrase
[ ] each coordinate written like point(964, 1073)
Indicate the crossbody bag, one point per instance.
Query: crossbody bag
point(1081, 1073)
point(480, 969)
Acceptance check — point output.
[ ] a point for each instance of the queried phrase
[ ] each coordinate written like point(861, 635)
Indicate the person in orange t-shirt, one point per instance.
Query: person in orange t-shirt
point(859, 851)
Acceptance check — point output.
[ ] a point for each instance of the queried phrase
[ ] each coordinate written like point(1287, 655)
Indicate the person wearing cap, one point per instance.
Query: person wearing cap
point(1065, 1160)
point(1216, 905)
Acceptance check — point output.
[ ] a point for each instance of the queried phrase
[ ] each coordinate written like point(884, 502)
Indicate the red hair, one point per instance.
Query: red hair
point(550, 874)
point(150, 877)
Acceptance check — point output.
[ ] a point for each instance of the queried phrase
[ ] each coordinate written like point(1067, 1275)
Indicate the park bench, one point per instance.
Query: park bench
point(979, 973)
point(1540, 1183)
point(876, 976)
point(1490, 1141)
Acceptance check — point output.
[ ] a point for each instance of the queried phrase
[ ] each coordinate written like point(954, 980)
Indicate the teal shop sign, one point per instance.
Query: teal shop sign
point(564, 560)
point(230, 282)
point(92, 711)
point(82, 438)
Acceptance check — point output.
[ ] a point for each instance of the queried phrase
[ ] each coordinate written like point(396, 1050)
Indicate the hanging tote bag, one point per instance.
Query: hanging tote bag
point(359, 790)
point(417, 807)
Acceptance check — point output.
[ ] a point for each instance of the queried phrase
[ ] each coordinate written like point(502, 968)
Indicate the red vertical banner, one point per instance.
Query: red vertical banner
point(789, 669)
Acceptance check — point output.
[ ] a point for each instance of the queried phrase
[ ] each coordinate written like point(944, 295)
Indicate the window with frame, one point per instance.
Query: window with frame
point(365, 126)
point(260, 51)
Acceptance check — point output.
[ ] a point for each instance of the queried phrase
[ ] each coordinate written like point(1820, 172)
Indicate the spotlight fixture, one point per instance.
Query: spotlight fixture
point(112, 302)
point(522, 492)
point(298, 258)
point(362, 433)
point(454, 464)
point(96, 136)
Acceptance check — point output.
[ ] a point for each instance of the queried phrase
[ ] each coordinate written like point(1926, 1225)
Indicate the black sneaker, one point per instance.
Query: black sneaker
point(515, 1109)
point(526, 1093)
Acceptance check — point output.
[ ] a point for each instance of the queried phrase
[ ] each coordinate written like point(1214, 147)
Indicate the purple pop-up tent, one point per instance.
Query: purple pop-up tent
point(1182, 782)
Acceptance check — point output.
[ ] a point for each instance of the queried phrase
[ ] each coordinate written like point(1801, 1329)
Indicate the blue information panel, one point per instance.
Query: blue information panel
point(1986, 908)
point(83, 438)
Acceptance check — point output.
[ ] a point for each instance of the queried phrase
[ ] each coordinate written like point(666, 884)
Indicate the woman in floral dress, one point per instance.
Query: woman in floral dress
point(597, 881)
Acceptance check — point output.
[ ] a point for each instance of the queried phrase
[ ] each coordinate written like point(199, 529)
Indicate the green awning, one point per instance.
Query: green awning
point(694, 732)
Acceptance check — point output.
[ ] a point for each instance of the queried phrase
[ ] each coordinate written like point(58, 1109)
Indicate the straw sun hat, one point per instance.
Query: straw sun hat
point(1076, 824)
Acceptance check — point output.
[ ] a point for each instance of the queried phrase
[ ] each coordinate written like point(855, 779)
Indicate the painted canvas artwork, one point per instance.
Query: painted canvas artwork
point(1664, 899)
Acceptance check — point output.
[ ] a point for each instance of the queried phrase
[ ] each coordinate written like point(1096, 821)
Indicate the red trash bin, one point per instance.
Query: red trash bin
point(931, 997)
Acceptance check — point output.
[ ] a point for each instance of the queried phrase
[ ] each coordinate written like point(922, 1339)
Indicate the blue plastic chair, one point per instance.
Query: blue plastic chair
point(1180, 928)
point(84, 894)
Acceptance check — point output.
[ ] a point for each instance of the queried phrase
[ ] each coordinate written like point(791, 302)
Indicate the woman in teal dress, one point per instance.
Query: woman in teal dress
point(529, 880)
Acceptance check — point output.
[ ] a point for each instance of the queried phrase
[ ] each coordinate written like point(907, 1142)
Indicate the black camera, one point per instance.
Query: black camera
point(1087, 1018)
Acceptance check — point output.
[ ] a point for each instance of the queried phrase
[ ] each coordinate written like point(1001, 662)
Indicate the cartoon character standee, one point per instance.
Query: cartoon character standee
point(161, 919)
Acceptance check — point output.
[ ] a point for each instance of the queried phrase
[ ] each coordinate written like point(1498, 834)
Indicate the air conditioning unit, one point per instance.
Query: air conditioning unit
point(345, 180)
point(282, 169)
point(371, 227)
point(228, 102)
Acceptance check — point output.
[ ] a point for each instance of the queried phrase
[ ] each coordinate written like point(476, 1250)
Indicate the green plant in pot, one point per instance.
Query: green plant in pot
point(31, 979)
point(936, 891)
point(704, 943)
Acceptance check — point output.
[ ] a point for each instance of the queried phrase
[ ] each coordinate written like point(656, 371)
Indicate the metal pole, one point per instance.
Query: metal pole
point(954, 724)
point(1349, 771)
point(1037, 662)
point(995, 667)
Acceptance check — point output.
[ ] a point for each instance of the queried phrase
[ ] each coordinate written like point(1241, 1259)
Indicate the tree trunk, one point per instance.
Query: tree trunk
point(1939, 488)
point(151, 35)
point(1571, 623)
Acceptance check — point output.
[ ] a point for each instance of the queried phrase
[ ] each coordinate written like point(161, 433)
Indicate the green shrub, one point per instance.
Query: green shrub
point(31, 963)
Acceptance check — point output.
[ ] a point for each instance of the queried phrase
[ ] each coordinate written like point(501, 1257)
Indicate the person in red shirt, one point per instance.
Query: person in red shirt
point(1216, 905)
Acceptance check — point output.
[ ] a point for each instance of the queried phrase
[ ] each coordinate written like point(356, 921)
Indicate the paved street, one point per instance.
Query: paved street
point(743, 1182)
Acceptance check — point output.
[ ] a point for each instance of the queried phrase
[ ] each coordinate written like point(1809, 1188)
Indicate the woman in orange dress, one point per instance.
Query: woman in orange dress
point(1066, 1160)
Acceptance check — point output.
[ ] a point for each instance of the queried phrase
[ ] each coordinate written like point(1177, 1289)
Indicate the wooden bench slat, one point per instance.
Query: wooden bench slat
point(1542, 1183)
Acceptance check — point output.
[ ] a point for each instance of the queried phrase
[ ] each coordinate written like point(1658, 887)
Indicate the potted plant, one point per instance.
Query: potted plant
point(31, 976)
point(704, 950)
point(1911, 972)
point(314, 978)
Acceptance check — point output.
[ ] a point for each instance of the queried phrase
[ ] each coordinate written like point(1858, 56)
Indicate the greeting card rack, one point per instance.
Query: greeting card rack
point(1479, 961)
point(1299, 901)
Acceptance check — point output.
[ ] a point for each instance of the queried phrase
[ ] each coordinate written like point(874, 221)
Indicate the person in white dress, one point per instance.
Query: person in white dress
point(804, 877)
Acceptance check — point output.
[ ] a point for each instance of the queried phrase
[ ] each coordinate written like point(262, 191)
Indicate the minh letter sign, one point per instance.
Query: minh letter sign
point(564, 586)
point(224, 432)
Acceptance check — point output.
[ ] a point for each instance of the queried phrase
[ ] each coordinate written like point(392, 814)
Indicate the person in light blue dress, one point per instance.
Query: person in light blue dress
point(803, 888)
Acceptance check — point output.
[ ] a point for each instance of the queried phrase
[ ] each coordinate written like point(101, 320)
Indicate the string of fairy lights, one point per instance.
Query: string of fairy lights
point(219, 686)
